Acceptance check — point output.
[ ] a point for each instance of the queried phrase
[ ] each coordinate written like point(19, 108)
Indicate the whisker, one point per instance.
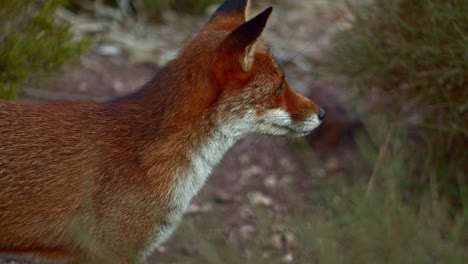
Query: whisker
point(293, 74)
point(299, 53)
point(260, 138)
point(285, 43)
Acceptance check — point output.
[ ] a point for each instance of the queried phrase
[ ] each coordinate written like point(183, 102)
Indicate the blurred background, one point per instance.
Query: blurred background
point(383, 180)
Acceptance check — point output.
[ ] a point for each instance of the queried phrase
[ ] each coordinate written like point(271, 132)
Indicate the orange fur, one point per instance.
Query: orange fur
point(95, 182)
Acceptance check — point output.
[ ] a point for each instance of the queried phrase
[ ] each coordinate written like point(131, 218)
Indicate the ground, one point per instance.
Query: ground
point(244, 212)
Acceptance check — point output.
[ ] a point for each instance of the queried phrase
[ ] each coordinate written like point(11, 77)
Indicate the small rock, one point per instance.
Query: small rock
point(109, 50)
point(332, 165)
point(289, 238)
point(258, 198)
point(187, 250)
point(277, 228)
point(196, 209)
point(161, 249)
point(321, 173)
point(249, 172)
point(270, 182)
point(246, 231)
point(83, 87)
point(287, 164)
point(277, 242)
point(252, 171)
point(118, 86)
point(288, 258)
point(245, 212)
point(244, 159)
point(286, 179)
point(222, 197)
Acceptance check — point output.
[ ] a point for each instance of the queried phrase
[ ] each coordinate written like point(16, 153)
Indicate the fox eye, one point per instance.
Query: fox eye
point(280, 88)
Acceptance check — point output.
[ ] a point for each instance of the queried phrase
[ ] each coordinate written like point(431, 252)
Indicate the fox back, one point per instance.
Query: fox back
point(109, 182)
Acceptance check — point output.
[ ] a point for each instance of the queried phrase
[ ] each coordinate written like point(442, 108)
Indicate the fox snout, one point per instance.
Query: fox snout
point(296, 122)
point(303, 114)
point(311, 122)
point(321, 114)
point(307, 123)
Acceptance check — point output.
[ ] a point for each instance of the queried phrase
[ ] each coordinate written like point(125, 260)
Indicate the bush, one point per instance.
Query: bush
point(412, 56)
point(32, 43)
point(415, 50)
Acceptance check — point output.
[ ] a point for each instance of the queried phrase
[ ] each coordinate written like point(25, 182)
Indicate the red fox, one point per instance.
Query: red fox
point(109, 182)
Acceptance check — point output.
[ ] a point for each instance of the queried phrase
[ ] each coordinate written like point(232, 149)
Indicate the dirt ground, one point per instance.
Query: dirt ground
point(248, 197)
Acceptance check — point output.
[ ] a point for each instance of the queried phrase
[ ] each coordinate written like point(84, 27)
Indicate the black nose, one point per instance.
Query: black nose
point(321, 114)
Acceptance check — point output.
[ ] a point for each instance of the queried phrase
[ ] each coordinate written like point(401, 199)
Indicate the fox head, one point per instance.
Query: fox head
point(242, 83)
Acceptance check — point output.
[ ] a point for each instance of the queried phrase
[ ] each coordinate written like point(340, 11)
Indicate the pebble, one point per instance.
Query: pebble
point(108, 50)
point(258, 198)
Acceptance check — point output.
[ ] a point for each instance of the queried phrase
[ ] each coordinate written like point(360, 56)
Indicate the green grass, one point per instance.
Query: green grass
point(32, 43)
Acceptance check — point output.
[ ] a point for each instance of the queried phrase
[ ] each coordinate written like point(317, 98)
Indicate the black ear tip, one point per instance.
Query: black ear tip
point(265, 14)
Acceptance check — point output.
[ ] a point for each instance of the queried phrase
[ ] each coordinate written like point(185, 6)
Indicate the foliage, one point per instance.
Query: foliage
point(32, 43)
point(412, 56)
point(410, 49)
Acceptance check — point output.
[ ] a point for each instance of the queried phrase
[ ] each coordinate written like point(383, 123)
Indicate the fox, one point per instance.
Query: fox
point(109, 182)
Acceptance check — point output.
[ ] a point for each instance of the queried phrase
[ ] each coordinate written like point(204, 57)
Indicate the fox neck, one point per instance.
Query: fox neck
point(190, 141)
point(205, 156)
point(223, 134)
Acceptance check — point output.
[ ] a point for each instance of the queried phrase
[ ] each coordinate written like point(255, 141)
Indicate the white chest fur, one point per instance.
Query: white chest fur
point(191, 179)
point(203, 161)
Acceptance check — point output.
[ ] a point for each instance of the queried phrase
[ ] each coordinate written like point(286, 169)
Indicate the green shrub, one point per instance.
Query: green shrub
point(412, 56)
point(413, 49)
point(32, 42)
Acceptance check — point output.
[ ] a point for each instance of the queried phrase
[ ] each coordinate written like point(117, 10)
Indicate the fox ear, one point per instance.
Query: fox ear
point(235, 11)
point(242, 41)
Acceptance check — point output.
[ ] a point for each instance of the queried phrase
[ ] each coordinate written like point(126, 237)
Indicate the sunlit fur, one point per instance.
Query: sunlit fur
point(110, 181)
